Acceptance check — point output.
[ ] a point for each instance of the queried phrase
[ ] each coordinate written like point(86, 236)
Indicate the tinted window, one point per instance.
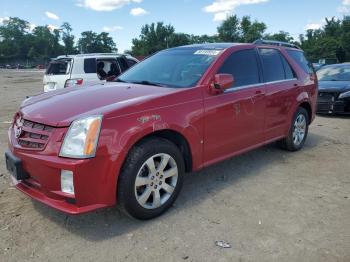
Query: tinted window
point(298, 56)
point(90, 65)
point(131, 62)
point(288, 69)
point(123, 64)
point(272, 65)
point(59, 67)
point(243, 66)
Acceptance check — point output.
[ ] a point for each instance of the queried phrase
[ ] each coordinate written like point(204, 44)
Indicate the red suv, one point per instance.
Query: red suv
point(182, 109)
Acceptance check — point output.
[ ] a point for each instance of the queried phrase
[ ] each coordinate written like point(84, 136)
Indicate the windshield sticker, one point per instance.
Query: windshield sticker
point(207, 52)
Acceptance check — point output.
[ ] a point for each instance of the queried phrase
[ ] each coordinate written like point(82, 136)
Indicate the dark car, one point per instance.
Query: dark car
point(334, 89)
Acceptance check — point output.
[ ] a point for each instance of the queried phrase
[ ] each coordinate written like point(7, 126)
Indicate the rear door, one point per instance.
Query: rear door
point(281, 90)
point(234, 120)
point(57, 73)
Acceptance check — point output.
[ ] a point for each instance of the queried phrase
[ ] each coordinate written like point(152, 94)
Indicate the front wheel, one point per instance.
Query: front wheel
point(151, 178)
point(297, 132)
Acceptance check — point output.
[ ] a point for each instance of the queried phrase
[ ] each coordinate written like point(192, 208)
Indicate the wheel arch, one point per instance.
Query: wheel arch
point(306, 105)
point(176, 138)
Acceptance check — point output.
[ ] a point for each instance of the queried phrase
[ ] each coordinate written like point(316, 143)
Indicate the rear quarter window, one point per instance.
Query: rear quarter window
point(300, 59)
point(90, 65)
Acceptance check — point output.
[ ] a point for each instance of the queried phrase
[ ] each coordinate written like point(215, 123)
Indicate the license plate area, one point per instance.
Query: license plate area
point(14, 166)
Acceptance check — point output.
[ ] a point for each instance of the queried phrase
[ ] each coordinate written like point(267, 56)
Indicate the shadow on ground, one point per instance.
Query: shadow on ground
point(198, 186)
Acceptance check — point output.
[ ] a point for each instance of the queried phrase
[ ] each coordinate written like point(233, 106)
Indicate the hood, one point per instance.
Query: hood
point(61, 107)
point(334, 86)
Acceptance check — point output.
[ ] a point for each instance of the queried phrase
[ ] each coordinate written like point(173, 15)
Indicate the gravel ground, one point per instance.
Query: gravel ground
point(270, 205)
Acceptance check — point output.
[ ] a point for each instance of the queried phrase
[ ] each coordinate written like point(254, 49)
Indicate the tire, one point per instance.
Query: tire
point(290, 143)
point(147, 190)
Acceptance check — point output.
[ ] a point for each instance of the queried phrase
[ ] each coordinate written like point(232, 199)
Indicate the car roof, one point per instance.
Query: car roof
point(91, 55)
point(216, 46)
point(223, 46)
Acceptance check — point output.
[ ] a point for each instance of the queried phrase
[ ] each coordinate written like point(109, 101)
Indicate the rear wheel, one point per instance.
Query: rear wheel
point(151, 178)
point(297, 132)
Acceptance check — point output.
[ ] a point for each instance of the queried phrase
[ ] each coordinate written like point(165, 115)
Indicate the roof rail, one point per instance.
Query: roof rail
point(276, 43)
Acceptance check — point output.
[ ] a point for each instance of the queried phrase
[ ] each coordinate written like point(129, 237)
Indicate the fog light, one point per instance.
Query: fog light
point(67, 184)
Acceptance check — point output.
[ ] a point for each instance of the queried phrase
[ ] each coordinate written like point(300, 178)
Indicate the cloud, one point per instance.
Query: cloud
point(112, 28)
point(313, 26)
point(105, 5)
point(3, 19)
point(52, 27)
point(52, 15)
point(138, 11)
point(346, 2)
point(31, 27)
point(343, 10)
point(222, 8)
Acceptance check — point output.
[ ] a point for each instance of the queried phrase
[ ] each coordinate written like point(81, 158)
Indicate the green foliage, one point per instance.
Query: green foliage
point(244, 31)
point(91, 42)
point(330, 42)
point(154, 37)
point(18, 43)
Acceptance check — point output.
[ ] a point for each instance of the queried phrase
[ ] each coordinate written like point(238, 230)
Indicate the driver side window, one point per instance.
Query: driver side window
point(243, 66)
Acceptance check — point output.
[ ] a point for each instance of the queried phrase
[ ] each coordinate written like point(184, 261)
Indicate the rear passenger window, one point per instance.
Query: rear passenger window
point(243, 66)
point(273, 68)
point(131, 63)
point(123, 64)
point(90, 65)
point(299, 58)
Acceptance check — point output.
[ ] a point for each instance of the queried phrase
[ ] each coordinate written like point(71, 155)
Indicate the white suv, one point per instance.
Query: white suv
point(85, 69)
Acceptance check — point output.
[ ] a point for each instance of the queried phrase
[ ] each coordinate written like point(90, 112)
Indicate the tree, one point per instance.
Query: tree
point(280, 36)
point(91, 42)
point(68, 39)
point(330, 42)
point(235, 30)
point(251, 31)
point(229, 30)
point(155, 37)
point(46, 43)
point(14, 35)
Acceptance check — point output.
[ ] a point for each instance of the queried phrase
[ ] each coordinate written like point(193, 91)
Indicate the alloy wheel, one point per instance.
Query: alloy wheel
point(156, 181)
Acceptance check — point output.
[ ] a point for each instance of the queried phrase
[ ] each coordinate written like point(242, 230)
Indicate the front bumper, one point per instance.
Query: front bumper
point(94, 179)
point(330, 104)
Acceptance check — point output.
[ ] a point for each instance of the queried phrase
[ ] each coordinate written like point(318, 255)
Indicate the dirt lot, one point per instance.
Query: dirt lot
point(270, 205)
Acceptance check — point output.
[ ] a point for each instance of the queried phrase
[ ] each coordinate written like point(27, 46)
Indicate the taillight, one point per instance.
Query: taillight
point(73, 82)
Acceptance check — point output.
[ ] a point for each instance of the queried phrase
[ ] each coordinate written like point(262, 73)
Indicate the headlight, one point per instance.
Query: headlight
point(81, 138)
point(345, 94)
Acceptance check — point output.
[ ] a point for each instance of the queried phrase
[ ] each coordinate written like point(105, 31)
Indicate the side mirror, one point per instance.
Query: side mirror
point(222, 82)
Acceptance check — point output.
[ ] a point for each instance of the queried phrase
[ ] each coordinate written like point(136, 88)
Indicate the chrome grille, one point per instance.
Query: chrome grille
point(32, 135)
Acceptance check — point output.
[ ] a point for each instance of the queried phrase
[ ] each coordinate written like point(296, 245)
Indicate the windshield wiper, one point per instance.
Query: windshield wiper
point(149, 83)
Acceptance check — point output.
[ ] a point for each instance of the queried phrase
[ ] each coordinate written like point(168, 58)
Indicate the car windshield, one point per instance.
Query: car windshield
point(334, 73)
point(177, 68)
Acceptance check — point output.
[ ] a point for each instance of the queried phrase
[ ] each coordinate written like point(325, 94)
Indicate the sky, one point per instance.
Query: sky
point(123, 19)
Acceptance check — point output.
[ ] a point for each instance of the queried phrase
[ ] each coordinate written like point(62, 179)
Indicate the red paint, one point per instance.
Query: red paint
point(216, 125)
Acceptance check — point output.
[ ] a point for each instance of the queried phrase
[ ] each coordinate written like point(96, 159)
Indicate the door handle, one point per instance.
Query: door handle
point(259, 93)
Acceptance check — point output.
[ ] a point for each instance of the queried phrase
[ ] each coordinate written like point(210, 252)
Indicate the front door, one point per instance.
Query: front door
point(234, 120)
